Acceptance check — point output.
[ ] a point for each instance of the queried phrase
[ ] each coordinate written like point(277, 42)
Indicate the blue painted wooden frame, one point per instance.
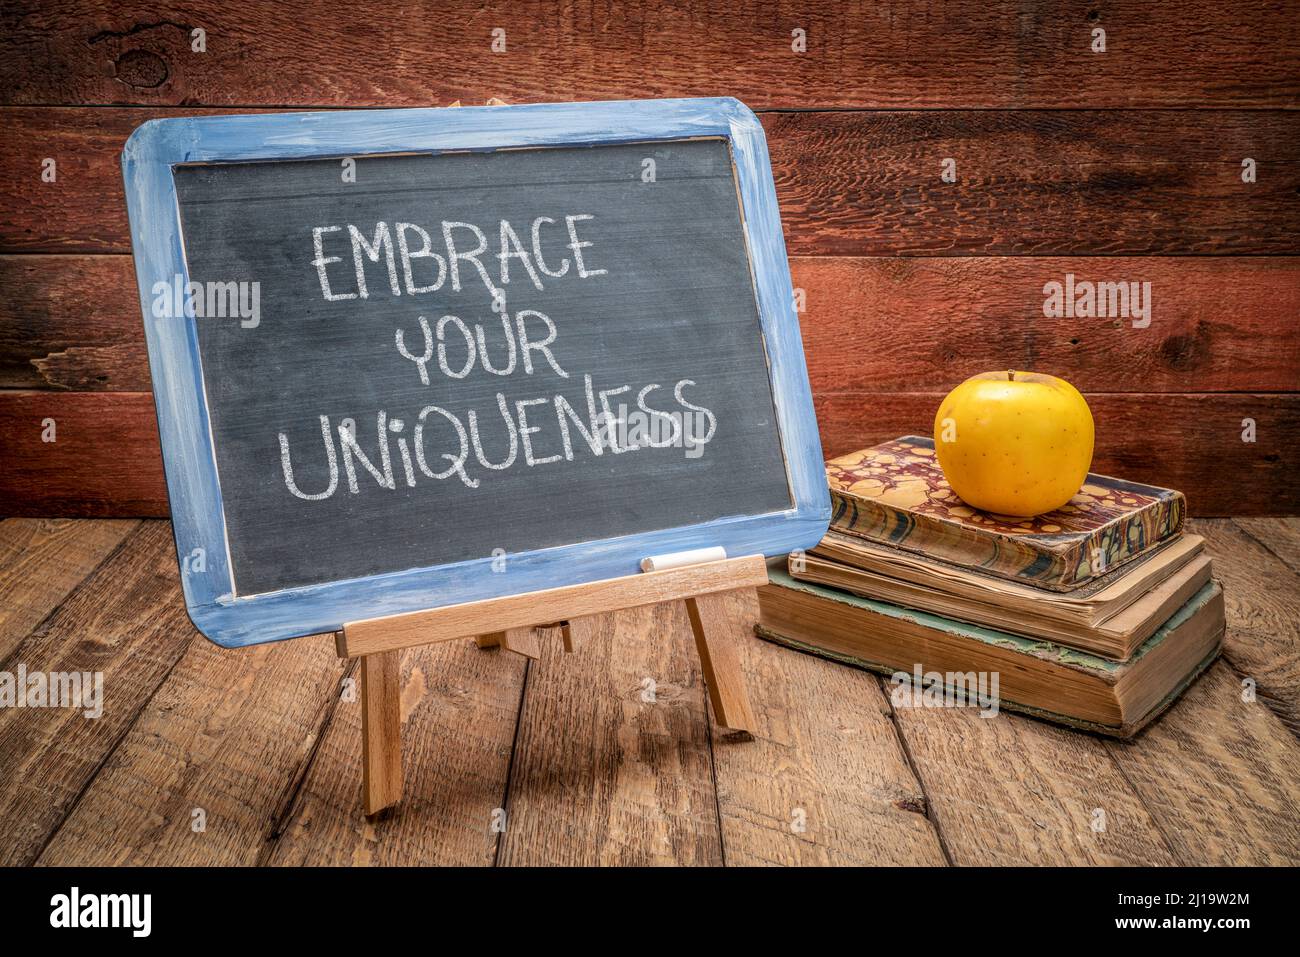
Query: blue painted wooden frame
point(192, 483)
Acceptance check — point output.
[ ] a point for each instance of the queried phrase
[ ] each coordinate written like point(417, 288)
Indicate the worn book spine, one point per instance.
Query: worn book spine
point(1061, 564)
point(1122, 731)
point(893, 640)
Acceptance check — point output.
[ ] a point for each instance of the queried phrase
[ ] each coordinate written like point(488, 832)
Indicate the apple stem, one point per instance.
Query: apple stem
point(1011, 375)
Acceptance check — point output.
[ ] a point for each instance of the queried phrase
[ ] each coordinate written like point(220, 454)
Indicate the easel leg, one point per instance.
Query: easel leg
point(522, 641)
point(714, 624)
point(381, 730)
point(576, 632)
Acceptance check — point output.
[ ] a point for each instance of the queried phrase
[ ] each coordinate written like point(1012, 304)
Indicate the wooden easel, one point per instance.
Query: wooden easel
point(508, 623)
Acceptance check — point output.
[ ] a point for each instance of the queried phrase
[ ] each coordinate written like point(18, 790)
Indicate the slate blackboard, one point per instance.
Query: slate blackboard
point(645, 281)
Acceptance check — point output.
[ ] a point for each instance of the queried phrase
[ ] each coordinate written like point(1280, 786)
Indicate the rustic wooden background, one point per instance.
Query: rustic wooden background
point(1122, 165)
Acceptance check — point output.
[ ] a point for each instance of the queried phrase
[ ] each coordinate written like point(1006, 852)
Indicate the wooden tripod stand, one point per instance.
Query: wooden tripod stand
point(509, 622)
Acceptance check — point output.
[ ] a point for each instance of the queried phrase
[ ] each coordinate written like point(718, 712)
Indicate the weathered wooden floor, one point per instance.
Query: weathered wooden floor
point(608, 755)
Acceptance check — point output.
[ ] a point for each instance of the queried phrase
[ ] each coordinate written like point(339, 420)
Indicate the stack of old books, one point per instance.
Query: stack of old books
point(1095, 615)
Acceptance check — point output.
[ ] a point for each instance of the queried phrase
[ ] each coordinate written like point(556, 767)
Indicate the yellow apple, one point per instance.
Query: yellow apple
point(1014, 443)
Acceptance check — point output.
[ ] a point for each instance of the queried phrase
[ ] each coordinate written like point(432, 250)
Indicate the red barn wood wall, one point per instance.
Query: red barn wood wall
point(1122, 165)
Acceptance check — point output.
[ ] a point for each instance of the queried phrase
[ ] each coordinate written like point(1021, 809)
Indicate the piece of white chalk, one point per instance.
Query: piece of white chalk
point(694, 556)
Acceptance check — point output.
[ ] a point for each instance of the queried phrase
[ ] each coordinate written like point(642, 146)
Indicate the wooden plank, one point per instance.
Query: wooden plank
point(1261, 596)
point(111, 467)
point(1043, 183)
point(552, 604)
point(871, 324)
point(824, 779)
point(381, 731)
point(127, 623)
point(1189, 442)
point(205, 772)
point(459, 707)
point(718, 632)
point(962, 53)
point(1281, 536)
point(925, 324)
point(72, 323)
point(1008, 790)
point(41, 562)
point(1220, 777)
point(104, 460)
point(1036, 183)
point(611, 763)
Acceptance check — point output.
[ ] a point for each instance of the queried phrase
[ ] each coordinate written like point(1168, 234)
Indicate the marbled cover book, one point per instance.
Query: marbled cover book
point(895, 493)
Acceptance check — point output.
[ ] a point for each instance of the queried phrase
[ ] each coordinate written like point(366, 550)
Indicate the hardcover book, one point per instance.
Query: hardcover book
point(1111, 616)
point(895, 493)
point(1039, 678)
